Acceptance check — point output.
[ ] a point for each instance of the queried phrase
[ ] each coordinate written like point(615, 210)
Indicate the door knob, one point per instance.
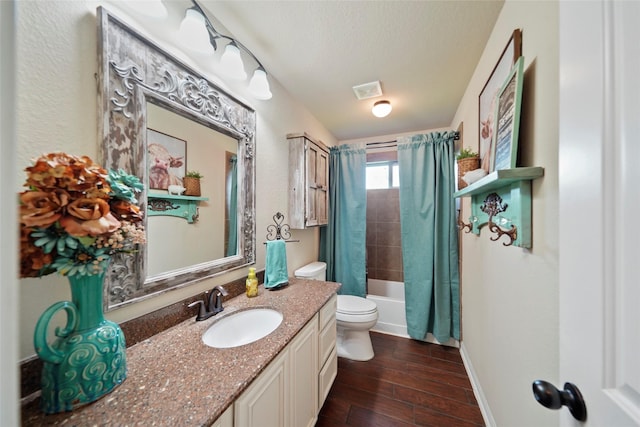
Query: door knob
point(549, 396)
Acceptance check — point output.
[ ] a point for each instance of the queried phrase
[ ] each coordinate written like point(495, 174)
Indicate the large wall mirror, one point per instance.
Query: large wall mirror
point(159, 119)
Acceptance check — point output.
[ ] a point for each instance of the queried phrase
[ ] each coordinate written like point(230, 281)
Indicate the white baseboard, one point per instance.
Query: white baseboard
point(391, 329)
point(477, 389)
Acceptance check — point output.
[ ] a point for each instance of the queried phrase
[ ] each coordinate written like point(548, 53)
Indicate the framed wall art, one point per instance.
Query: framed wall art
point(487, 98)
point(167, 159)
point(507, 120)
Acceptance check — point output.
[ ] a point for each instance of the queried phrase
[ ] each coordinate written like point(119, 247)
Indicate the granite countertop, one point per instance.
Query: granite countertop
point(175, 379)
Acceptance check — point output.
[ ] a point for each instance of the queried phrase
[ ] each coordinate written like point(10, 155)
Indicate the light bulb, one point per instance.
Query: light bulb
point(381, 108)
point(193, 32)
point(231, 62)
point(259, 85)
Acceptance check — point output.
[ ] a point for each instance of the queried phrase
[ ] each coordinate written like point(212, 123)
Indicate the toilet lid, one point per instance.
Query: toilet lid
point(350, 304)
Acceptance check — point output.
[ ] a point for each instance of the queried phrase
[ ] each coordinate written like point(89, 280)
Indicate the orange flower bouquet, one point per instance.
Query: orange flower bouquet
point(75, 215)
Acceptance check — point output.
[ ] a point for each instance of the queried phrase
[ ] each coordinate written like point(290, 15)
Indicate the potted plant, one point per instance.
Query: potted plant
point(468, 160)
point(191, 183)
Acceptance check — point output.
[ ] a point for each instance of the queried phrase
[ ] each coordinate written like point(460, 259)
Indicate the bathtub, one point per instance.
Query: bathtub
point(389, 297)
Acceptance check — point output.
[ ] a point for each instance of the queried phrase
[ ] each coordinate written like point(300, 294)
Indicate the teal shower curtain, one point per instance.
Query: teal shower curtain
point(429, 235)
point(343, 240)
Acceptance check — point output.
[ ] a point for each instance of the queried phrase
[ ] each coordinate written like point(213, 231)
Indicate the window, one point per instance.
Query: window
point(382, 175)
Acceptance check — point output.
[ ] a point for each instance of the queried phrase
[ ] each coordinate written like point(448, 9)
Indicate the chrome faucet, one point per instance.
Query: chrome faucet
point(213, 305)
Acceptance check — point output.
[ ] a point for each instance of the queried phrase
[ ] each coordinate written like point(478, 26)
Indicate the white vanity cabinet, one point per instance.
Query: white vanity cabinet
point(308, 181)
point(303, 367)
point(327, 353)
point(266, 402)
point(291, 390)
point(225, 420)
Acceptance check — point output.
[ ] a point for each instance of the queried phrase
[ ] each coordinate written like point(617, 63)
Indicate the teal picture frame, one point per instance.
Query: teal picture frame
point(507, 120)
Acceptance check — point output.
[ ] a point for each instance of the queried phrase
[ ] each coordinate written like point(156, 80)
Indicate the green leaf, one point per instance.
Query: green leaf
point(71, 242)
point(41, 242)
point(86, 241)
point(60, 245)
point(49, 246)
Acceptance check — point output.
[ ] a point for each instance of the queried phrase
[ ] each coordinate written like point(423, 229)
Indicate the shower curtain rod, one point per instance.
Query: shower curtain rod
point(394, 142)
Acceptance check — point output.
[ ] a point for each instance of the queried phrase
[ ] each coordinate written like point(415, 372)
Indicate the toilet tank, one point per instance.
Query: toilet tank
point(314, 271)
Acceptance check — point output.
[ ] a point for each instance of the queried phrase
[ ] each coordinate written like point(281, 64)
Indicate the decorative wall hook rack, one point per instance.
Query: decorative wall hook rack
point(493, 206)
point(502, 198)
point(278, 230)
point(180, 206)
point(462, 225)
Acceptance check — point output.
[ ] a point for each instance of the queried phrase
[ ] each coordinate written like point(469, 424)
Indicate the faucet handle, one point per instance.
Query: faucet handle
point(202, 311)
point(215, 299)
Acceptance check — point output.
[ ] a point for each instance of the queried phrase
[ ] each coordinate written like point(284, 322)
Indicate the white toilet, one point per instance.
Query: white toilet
point(354, 317)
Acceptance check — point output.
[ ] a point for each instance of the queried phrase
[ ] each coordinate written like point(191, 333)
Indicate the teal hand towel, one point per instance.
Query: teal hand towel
point(276, 274)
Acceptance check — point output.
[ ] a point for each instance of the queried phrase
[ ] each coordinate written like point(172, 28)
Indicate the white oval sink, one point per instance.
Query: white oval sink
point(242, 328)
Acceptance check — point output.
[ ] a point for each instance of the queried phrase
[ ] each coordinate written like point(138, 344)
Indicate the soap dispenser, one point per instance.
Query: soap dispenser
point(252, 283)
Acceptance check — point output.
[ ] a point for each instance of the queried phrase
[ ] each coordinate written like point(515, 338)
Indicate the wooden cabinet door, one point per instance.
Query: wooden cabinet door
point(308, 182)
point(313, 153)
point(322, 187)
point(266, 402)
point(303, 363)
point(225, 420)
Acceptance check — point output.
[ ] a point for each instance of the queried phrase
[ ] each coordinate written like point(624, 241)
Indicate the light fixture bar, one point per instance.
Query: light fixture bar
point(231, 61)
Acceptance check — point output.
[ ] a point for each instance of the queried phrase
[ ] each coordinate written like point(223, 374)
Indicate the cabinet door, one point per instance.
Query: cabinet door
point(326, 377)
point(308, 182)
point(303, 359)
point(225, 420)
point(327, 356)
point(313, 155)
point(266, 402)
point(322, 187)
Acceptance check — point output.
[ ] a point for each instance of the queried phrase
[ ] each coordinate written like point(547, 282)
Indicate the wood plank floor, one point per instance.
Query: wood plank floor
point(407, 383)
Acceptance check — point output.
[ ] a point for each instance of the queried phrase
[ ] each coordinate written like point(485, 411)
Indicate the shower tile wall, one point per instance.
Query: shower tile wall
point(384, 253)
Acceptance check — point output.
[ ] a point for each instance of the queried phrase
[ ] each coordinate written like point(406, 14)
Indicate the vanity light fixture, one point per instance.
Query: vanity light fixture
point(381, 108)
point(231, 61)
point(193, 32)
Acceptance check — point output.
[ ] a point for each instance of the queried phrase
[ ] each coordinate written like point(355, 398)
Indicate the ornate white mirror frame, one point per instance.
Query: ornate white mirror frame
point(132, 72)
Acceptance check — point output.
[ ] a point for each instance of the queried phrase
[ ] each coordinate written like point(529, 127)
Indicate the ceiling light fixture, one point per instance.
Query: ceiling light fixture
point(231, 61)
point(381, 108)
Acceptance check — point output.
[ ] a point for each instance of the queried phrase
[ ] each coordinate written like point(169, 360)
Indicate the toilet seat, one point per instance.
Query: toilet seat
point(356, 309)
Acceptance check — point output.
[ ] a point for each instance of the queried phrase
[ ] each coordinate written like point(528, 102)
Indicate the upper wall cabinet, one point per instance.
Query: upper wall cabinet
point(308, 181)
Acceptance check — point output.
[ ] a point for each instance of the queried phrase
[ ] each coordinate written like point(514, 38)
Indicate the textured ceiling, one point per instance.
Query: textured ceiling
point(423, 52)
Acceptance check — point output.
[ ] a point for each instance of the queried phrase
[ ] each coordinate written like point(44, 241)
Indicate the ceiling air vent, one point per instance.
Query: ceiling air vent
point(368, 90)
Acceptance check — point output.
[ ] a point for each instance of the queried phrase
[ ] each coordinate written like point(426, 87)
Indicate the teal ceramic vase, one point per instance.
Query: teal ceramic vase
point(87, 360)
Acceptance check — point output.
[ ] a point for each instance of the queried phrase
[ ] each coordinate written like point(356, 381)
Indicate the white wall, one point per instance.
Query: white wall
point(57, 109)
point(8, 216)
point(509, 294)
